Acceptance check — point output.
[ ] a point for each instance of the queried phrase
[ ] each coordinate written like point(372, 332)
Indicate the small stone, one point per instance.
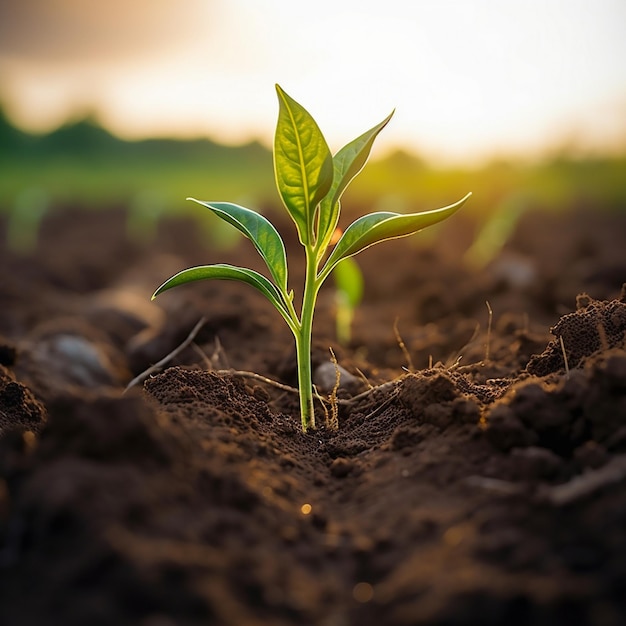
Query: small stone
point(325, 378)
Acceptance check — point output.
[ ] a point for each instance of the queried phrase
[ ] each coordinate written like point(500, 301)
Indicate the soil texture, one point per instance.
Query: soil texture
point(477, 475)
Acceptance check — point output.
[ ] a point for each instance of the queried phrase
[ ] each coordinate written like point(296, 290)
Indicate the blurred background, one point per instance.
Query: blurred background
point(142, 104)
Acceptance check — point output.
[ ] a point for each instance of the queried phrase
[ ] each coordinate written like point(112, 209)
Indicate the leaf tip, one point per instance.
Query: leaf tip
point(160, 289)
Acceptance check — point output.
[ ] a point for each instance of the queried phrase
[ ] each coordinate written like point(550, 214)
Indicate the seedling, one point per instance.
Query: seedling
point(349, 292)
point(310, 181)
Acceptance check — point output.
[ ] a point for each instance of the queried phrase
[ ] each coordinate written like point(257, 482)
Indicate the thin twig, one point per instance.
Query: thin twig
point(464, 347)
point(333, 421)
point(405, 351)
point(363, 377)
point(157, 366)
point(255, 376)
point(384, 404)
point(456, 363)
point(390, 385)
point(495, 485)
point(564, 356)
point(323, 402)
point(219, 356)
point(588, 483)
point(203, 356)
point(489, 322)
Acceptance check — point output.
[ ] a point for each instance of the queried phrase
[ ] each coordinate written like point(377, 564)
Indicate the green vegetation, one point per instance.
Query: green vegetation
point(348, 294)
point(310, 181)
point(83, 165)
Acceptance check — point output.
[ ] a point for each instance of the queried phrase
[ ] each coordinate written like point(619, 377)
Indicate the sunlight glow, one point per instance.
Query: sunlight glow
point(469, 79)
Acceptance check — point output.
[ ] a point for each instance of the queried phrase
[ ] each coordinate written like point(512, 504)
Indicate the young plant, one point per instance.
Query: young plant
point(348, 294)
point(310, 181)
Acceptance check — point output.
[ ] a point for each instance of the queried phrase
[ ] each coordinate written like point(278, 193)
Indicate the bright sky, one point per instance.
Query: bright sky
point(469, 79)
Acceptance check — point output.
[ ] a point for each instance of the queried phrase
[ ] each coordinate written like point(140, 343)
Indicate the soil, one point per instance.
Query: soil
point(477, 475)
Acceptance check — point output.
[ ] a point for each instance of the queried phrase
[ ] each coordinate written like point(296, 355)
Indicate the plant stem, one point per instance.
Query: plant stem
point(303, 342)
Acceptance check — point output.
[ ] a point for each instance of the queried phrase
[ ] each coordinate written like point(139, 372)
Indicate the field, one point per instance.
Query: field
point(478, 473)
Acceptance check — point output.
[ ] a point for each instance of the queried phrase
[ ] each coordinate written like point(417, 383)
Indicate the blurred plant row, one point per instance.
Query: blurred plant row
point(81, 164)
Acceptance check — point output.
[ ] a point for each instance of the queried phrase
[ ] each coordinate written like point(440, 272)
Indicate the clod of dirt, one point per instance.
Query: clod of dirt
point(8, 353)
point(604, 403)
point(209, 394)
point(341, 467)
point(406, 437)
point(588, 405)
point(505, 430)
point(18, 406)
point(595, 325)
point(110, 427)
point(545, 412)
point(434, 398)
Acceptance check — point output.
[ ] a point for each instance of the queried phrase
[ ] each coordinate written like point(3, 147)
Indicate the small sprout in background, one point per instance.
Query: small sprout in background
point(495, 232)
point(144, 214)
point(348, 296)
point(489, 247)
point(310, 182)
point(25, 219)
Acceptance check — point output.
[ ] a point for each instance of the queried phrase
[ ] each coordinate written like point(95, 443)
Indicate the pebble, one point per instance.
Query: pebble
point(325, 377)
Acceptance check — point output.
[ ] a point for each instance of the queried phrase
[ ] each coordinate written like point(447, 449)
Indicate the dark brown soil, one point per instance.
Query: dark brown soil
point(483, 482)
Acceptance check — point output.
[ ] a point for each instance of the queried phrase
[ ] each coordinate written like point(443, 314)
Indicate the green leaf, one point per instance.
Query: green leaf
point(260, 231)
point(376, 227)
point(347, 163)
point(224, 271)
point(303, 164)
